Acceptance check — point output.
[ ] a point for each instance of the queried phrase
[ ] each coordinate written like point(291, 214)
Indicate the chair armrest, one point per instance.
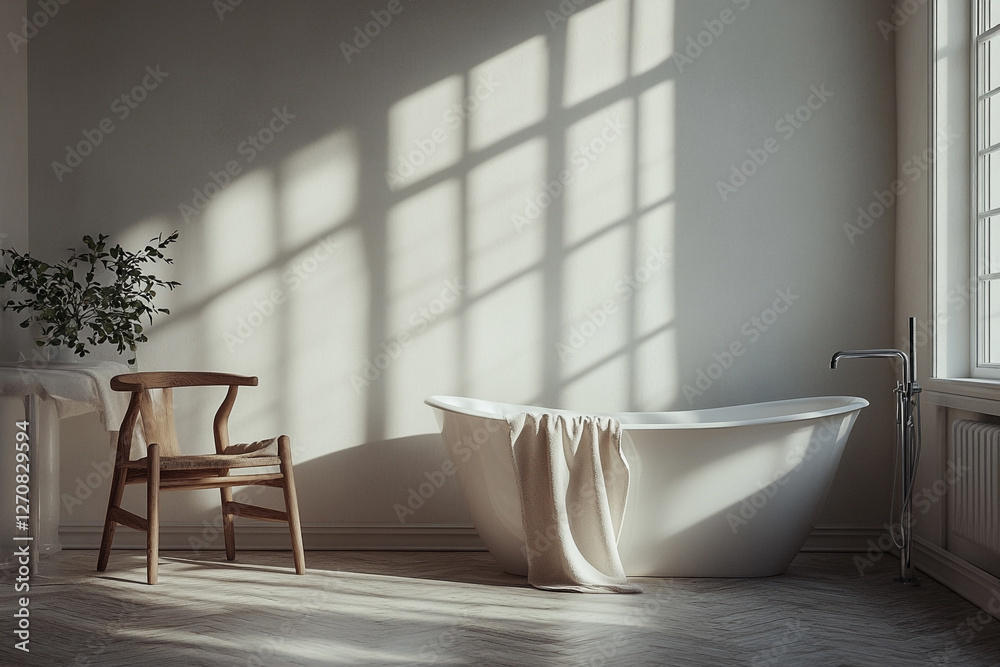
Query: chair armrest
point(162, 380)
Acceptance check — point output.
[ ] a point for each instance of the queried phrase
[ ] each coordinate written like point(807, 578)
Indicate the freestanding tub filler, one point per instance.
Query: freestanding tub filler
point(723, 492)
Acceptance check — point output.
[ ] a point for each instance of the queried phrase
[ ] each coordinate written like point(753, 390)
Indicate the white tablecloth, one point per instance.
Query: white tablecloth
point(76, 388)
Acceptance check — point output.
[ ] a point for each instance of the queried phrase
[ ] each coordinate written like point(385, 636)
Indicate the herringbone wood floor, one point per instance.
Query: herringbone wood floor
point(395, 608)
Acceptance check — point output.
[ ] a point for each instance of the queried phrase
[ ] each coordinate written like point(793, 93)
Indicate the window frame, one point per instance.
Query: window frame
point(980, 215)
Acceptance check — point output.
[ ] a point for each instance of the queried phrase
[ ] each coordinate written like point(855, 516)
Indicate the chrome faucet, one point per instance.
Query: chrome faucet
point(907, 440)
point(907, 370)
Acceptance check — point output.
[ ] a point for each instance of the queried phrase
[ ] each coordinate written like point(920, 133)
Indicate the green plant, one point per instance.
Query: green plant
point(70, 297)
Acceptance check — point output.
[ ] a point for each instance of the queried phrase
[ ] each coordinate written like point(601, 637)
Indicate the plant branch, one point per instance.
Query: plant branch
point(72, 313)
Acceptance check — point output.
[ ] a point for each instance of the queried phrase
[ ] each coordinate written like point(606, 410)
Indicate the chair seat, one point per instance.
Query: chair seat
point(244, 455)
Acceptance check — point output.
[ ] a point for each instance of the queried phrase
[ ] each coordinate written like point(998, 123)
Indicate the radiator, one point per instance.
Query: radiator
point(974, 497)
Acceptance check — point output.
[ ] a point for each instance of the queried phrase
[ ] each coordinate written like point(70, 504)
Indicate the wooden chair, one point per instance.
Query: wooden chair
point(165, 468)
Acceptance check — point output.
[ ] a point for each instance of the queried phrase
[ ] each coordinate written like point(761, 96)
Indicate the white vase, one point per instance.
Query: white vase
point(59, 354)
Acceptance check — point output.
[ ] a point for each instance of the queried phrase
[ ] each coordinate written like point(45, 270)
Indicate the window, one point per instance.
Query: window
point(985, 204)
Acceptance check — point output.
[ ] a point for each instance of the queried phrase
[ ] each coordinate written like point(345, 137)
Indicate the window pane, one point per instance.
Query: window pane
point(992, 321)
point(989, 181)
point(990, 245)
point(989, 14)
point(989, 65)
point(989, 122)
point(993, 63)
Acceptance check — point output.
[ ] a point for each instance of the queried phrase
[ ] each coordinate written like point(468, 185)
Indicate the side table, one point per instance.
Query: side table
point(47, 393)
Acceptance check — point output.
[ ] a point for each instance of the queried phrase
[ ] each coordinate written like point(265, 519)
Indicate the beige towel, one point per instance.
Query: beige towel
point(573, 482)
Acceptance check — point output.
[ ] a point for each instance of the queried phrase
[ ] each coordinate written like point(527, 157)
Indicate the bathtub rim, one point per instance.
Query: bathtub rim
point(693, 419)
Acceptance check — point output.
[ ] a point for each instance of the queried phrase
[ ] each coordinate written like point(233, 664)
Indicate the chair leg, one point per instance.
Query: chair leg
point(228, 528)
point(114, 500)
point(152, 513)
point(291, 503)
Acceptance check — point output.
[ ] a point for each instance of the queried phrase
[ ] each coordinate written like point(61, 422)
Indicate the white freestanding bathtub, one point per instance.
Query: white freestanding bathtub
point(724, 492)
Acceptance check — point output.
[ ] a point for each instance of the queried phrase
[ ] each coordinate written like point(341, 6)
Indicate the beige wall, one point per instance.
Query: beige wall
point(486, 199)
point(13, 156)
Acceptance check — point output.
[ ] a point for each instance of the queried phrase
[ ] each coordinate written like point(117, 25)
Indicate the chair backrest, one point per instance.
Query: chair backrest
point(152, 407)
point(156, 409)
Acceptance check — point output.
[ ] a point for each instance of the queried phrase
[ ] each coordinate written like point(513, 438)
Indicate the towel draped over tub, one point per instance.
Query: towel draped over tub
point(573, 482)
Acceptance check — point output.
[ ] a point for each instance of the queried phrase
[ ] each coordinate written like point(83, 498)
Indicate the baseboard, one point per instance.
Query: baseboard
point(391, 537)
point(394, 537)
point(975, 585)
point(842, 539)
point(270, 537)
